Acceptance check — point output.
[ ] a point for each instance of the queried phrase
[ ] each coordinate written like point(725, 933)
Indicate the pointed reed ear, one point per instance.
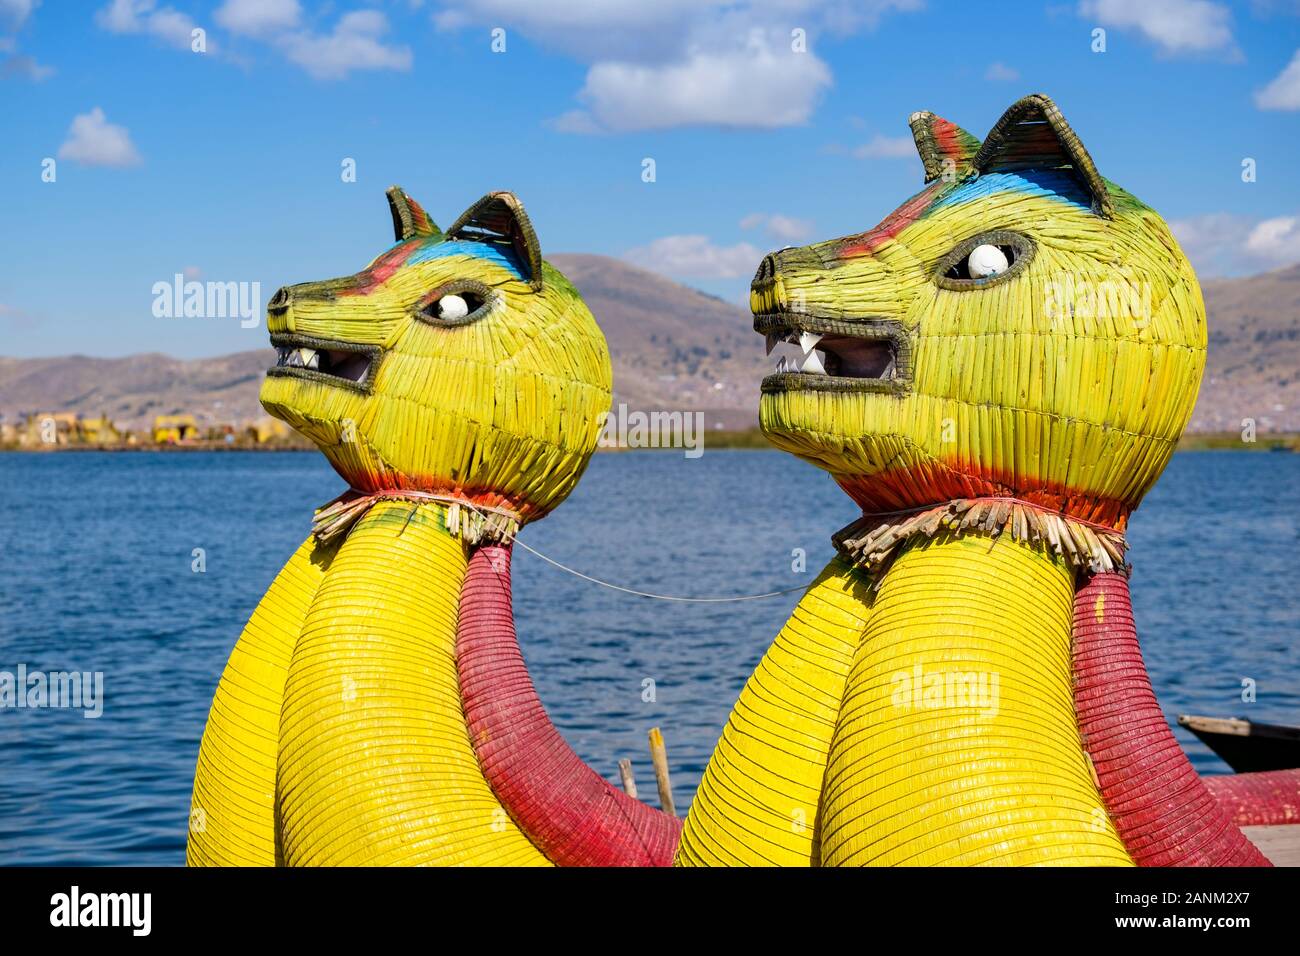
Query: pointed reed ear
point(409, 217)
point(499, 217)
point(945, 147)
point(1032, 134)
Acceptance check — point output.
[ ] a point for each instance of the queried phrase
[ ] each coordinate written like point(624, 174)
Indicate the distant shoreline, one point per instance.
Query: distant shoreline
point(751, 438)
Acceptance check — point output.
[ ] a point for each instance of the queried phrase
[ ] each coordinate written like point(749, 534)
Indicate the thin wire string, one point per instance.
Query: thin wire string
point(657, 597)
point(514, 538)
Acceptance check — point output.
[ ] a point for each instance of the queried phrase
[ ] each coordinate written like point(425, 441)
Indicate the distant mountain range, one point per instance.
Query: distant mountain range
point(673, 348)
point(1253, 369)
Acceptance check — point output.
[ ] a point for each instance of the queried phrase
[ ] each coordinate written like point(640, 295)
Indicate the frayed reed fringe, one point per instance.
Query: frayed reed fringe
point(473, 524)
point(873, 541)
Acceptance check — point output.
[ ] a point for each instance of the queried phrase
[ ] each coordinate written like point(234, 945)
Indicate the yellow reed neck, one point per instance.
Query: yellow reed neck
point(373, 688)
point(956, 741)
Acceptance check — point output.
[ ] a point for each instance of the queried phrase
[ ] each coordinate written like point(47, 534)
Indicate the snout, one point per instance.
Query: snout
point(330, 310)
point(767, 294)
point(787, 280)
point(289, 300)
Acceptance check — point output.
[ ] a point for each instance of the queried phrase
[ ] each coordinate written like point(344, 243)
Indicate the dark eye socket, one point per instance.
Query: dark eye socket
point(984, 260)
point(457, 303)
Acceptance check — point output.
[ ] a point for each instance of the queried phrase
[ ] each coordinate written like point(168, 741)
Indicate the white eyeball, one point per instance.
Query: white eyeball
point(985, 261)
point(454, 307)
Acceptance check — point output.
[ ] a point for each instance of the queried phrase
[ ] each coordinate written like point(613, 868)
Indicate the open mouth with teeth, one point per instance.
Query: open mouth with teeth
point(322, 360)
point(869, 355)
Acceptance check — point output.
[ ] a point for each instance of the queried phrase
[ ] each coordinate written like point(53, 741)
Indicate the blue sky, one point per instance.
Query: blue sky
point(226, 164)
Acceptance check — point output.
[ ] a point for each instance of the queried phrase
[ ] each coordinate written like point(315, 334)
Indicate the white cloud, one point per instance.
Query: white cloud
point(1175, 26)
point(17, 318)
point(886, 147)
point(1001, 73)
point(144, 16)
point(1225, 244)
point(93, 141)
point(760, 86)
point(357, 41)
point(586, 29)
point(26, 67)
point(14, 13)
point(696, 257)
point(1283, 93)
point(356, 44)
point(1276, 239)
point(258, 17)
point(682, 62)
point(575, 121)
point(784, 228)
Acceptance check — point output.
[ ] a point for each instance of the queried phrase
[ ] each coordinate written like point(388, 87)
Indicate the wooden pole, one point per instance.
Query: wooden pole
point(629, 782)
point(659, 755)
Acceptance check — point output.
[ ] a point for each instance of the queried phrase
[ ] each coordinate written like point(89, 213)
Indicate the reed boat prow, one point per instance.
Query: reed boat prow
point(1244, 745)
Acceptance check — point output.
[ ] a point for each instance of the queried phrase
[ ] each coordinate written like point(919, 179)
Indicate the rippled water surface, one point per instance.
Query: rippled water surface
point(95, 575)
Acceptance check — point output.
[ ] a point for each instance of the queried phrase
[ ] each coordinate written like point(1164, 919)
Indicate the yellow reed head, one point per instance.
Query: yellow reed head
point(458, 363)
point(1020, 327)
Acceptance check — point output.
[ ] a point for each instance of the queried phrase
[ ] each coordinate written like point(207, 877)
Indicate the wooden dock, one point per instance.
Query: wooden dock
point(1281, 844)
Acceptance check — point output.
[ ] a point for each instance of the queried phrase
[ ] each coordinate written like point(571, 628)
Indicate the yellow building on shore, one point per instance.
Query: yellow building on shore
point(174, 429)
point(49, 431)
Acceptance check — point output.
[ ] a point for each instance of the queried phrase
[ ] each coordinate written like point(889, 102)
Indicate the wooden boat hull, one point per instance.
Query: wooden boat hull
point(1246, 746)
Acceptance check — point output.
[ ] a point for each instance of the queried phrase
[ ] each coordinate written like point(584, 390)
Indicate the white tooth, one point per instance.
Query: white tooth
point(782, 366)
point(772, 340)
point(808, 341)
point(312, 359)
point(812, 363)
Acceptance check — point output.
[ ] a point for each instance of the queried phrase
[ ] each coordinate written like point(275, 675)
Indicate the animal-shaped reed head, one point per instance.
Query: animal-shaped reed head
point(456, 362)
point(1021, 326)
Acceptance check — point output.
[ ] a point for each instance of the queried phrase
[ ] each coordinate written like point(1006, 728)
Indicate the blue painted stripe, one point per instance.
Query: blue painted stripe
point(1048, 184)
point(499, 255)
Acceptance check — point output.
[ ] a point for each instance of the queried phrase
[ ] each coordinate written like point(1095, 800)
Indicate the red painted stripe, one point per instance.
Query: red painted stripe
point(945, 137)
point(376, 483)
point(571, 813)
point(1164, 812)
point(377, 273)
point(893, 224)
point(936, 481)
point(1268, 798)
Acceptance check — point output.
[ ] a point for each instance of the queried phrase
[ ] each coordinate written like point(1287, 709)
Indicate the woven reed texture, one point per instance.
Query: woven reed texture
point(944, 147)
point(929, 767)
point(337, 734)
point(1014, 423)
point(571, 813)
point(873, 540)
point(232, 821)
point(1163, 810)
point(503, 411)
point(1032, 134)
point(757, 803)
point(1268, 798)
point(1065, 382)
point(375, 762)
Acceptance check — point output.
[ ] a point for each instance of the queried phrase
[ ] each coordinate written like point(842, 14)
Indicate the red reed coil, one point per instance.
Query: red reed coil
point(1268, 798)
point(571, 813)
point(1164, 812)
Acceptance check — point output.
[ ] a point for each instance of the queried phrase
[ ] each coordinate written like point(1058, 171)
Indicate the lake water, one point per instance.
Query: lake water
point(95, 575)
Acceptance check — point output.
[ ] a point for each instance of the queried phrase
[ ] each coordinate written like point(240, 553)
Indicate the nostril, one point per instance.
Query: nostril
point(766, 268)
point(280, 301)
